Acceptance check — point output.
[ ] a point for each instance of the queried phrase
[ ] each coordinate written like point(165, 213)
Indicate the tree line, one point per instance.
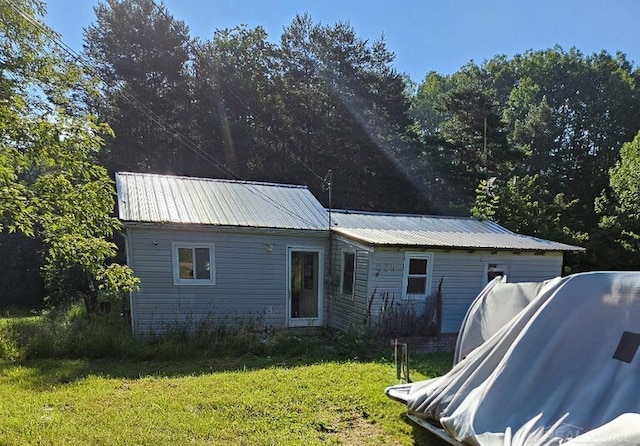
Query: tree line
point(541, 142)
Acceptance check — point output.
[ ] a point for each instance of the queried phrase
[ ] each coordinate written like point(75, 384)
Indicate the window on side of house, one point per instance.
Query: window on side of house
point(496, 269)
point(416, 274)
point(193, 264)
point(348, 272)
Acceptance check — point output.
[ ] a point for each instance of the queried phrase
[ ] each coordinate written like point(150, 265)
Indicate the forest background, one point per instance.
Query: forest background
point(545, 142)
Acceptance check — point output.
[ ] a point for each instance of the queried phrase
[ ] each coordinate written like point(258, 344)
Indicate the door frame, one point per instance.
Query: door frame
point(306, 321)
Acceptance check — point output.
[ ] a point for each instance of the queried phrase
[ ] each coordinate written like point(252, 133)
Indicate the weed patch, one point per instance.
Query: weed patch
point(70, 334)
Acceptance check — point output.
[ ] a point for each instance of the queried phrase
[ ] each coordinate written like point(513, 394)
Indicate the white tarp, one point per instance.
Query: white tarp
point(563, 370)
point(495, 306)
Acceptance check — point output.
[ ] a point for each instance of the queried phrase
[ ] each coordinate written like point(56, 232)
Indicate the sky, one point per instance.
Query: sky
point(425, 35)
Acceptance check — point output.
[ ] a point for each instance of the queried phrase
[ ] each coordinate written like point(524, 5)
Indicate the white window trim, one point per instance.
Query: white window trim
point(405, 272)
point(355, 263)
point(176, 264)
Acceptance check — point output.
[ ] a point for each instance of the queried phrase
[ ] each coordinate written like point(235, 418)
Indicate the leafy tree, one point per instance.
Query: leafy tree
point(427, 105)
point(564, 116)
point(526, 206)
point(141, 55)
point(570, 112)
point(50, 188)
point(346, 109)
point(236, 107)
point(470, 143)
point(619, 206)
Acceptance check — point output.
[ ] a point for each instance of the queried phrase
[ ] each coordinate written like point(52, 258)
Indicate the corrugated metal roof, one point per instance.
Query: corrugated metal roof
point(428, 231)
point(173, 199)
point(150, 198)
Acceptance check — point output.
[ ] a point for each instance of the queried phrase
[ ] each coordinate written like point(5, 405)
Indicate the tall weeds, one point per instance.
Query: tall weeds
point(69, 333)
point(399, 317)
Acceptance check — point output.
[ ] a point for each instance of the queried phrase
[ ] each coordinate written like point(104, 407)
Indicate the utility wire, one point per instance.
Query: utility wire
point(167, 127)
point(122, 91)
point(196, 51)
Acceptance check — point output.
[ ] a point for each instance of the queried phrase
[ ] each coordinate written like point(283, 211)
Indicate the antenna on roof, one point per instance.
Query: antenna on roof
point(327, 183)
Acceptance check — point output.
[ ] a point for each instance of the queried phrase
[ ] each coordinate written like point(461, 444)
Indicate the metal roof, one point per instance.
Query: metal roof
point(150, 198)
point(380, 229)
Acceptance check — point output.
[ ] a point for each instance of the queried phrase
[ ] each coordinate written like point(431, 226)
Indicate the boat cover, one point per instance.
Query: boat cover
point(564, 370)
point(495, 306)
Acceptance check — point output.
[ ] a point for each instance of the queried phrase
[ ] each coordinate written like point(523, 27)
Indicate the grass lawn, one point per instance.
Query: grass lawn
point(246, 400)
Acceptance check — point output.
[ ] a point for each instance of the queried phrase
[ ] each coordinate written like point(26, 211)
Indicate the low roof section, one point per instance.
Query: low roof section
point(166, 199)
point(422, 231)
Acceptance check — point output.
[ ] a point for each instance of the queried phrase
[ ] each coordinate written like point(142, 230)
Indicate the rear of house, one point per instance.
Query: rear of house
point(222, 252)
point(230, 252)
point(383, 261)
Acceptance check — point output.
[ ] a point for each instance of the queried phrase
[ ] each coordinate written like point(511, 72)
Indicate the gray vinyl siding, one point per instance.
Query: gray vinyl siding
point(346, 311)
point(463, 275)
point(250, 277)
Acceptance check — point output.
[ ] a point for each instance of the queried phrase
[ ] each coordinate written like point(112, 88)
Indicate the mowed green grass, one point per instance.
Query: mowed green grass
point(234, 401)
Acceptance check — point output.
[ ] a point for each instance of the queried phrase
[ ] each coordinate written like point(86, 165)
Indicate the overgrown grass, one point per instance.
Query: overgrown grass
point(270, 388)
point(68, 333)
point(64, 333)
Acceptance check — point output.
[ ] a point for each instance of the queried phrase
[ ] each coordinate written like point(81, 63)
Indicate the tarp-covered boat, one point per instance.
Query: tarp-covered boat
point(562, 369)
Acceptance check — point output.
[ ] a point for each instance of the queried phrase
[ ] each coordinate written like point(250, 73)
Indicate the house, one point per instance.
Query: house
point(206, 248)
point(404, 258)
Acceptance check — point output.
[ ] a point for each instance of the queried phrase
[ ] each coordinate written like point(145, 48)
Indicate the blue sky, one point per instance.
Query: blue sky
point(425, 35)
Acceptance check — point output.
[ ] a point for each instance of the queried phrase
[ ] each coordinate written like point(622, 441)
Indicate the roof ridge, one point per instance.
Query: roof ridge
point(216, 180)
point(402, 214)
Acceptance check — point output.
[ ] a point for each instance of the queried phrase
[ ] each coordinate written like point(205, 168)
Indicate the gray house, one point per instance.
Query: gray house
point(206, 248)
point(404, 258)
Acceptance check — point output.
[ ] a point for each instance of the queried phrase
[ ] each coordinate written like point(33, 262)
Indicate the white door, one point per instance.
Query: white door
point(304, 287)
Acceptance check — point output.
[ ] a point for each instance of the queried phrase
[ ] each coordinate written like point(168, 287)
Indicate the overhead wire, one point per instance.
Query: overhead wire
point(158, 120)
point(122, 91)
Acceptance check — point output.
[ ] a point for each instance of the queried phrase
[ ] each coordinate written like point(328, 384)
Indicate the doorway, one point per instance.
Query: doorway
point(305, 287)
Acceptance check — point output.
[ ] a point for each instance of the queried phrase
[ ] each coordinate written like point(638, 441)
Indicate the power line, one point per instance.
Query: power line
point(222, 81)
point(154, 117)
point(122, 91)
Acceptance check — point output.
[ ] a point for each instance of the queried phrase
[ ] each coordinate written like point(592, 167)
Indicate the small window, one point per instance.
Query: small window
point(416, 274)
point(495, 270)
point(193, 264)
point(348, 272)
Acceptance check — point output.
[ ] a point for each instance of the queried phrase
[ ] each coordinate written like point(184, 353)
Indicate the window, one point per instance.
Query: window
point(348, 272)
point(494, 270)
point(416, 274)
point(193, 264)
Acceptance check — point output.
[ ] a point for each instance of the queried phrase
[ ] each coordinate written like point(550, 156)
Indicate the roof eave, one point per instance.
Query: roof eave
point(375, 244)
point(225, 228)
